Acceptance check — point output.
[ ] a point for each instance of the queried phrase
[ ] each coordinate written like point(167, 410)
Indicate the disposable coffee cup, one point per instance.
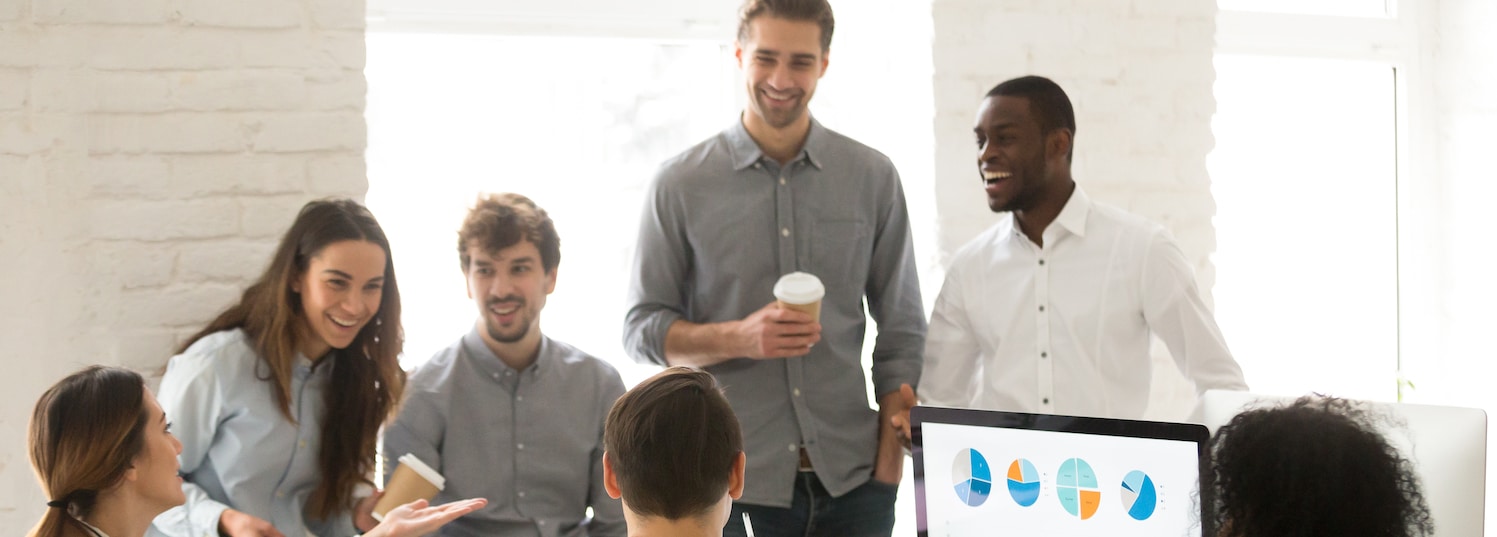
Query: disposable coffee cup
point(800, 291)
point(412, 480)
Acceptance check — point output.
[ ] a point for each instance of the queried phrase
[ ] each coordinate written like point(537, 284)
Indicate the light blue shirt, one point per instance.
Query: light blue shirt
point(238, 450)
point(530, 441)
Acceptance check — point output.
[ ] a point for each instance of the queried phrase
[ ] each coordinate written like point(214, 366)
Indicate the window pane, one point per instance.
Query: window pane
point(578, 125)
point(1343, 8)
point(1305, 183)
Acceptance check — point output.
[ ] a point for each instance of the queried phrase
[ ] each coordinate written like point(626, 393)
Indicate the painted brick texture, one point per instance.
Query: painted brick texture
point(151, 153)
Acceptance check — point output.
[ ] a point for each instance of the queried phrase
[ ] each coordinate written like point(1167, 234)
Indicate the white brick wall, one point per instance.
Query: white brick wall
point(151, 152)
point(1140, 77)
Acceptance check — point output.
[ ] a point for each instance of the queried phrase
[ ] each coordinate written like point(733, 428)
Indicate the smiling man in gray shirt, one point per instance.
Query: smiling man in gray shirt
point(777, 193)
point(507, 413)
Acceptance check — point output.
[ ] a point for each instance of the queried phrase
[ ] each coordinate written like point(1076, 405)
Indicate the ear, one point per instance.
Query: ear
point(551, 279)
point(735, 480)
point(1058, 144)
point(130, 474)
point(610, 481)
point(296, 283)
point(738, 53)
point(826, 59)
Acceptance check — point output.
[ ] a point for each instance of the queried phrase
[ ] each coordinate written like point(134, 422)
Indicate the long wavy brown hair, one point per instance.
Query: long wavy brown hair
point(369, 381)
point(85, 432)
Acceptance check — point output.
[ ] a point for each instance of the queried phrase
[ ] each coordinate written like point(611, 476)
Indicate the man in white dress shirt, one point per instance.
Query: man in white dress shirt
point(1051, 309)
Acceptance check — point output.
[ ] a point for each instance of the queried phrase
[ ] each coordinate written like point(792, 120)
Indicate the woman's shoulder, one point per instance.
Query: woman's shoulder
point(227, 352)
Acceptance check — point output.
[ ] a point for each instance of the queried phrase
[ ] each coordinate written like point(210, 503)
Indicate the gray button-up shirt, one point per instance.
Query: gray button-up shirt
point(530, 441)
point(722, 222)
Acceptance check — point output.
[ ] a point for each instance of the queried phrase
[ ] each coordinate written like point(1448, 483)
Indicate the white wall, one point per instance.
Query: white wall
point(150, 154)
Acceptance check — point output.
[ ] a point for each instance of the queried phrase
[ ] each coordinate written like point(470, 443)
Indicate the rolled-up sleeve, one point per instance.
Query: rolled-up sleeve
point(657, 272)
point(893, 291)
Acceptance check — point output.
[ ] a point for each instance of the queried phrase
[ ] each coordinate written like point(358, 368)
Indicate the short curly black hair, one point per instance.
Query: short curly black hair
point(1315, 467)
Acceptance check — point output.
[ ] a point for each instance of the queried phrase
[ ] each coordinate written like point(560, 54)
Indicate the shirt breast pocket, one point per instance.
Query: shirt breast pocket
point(839, 253)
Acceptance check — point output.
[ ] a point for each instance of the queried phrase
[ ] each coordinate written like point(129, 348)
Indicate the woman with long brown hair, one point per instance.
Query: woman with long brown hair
point(279, 399)
point(105, 455)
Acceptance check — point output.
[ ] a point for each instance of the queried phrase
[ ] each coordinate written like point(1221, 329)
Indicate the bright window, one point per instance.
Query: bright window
point(578, 125)
point(1344, 8)
point(1305, 179)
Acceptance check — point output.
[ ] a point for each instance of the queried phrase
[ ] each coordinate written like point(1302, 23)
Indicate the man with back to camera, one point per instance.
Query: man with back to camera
point(1051, 309)
point(675, 455)
point(507, 413)
point(773, 194)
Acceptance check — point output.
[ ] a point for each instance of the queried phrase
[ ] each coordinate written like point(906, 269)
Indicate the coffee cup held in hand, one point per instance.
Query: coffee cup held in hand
point(802, 292)
point(412, 480)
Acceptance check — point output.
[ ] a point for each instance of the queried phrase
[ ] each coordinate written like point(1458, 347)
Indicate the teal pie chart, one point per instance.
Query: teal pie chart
point(971, 477)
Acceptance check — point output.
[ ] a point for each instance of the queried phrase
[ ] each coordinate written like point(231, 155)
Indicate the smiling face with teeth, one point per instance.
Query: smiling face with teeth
point(782, 60)
point(1020, 164)
point(510, 287)
point(340, 292)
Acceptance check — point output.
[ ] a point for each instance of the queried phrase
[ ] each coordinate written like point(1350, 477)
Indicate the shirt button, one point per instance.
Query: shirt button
point(1042, 262)
point(784, 232)
point(520, 446)
point(1045, 400)
point(301, 444)
point(792, 447)
point(522, 494)
point(1042, 307)
point(757, 166)
point(496, 376)
point(796, 392)
point(519, 398)
point(1044, 355)
point(280, 494)
point(782, 180)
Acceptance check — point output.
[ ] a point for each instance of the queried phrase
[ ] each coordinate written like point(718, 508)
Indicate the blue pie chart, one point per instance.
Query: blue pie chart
point(971, 477)
point(1139, 496)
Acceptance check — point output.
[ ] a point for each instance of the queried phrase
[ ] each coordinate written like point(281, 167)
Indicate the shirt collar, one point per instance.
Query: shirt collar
point(490, 362)
point(1072, 217)
point(746, 152)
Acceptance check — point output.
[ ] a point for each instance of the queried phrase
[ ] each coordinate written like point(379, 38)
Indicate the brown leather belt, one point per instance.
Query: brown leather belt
point(805, 461)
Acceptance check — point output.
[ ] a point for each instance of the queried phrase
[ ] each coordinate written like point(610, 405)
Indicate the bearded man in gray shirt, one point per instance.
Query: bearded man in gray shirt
point(777, 193)
point(507, 413)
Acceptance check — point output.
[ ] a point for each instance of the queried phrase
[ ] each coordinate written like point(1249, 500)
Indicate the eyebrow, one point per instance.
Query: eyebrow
point(348, 276)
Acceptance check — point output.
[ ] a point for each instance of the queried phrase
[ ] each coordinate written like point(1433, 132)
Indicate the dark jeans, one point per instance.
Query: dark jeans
point(866, 511)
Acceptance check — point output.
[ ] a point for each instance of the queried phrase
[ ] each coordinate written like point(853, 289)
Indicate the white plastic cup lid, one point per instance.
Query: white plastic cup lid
point(799, 288)
point(414, 462)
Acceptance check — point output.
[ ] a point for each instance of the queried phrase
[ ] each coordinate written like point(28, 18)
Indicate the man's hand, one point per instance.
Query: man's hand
point(901, 420)
point(363, 512)
point(237, 524)
point(415, 518)
point(893, 434)
point(773, 332)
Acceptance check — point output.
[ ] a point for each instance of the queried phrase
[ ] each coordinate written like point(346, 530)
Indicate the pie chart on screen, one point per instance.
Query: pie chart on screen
point(1139, 495)
point(971, 477)
point(1076, 486)
point(1023, 482)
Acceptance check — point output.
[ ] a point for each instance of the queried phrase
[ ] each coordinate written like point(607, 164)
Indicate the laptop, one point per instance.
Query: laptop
point(986, 473)
point(1448, 446)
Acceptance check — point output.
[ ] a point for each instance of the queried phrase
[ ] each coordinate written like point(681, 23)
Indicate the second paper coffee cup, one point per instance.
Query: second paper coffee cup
point(412, 480)
point(800, 291)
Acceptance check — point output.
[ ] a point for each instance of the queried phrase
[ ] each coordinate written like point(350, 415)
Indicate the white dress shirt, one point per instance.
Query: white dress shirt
point(1064, 328)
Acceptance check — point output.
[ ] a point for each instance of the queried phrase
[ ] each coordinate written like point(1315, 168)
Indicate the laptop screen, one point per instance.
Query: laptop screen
point(984, 473)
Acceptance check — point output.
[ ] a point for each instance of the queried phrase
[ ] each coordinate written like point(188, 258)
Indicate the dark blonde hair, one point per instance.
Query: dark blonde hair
point(672, 442)
point(817, 11)
point(85, 432)
point(370, 382)
point(498, 221)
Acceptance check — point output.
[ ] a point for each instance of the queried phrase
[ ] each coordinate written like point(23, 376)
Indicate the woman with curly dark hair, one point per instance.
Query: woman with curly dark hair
point(1316, 467)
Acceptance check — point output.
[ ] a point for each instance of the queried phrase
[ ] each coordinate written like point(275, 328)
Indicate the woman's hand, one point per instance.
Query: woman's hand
point(416, 518)
point(238, 524)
